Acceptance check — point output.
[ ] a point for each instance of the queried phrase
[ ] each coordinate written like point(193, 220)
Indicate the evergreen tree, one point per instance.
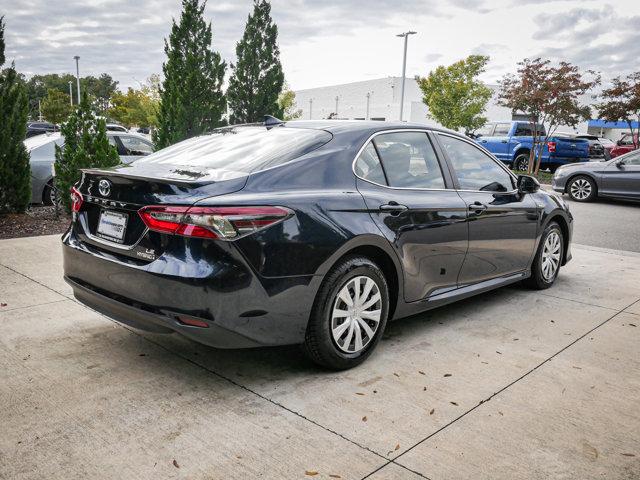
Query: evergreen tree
point(86, 145)
point(56, 106)
point(15, 172)
point(257, 78)
point(191, 98)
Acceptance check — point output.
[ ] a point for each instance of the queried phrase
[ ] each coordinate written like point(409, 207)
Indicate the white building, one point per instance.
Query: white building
point(379, 99)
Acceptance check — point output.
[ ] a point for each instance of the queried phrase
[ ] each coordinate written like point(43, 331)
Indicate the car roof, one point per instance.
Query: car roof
point(340, 126)
point(39, 140)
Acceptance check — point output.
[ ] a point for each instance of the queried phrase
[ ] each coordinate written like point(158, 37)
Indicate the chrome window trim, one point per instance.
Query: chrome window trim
point(435, 132)
point(398, 130)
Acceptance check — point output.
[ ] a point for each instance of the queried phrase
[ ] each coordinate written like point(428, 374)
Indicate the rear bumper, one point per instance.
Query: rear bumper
point(241, 309)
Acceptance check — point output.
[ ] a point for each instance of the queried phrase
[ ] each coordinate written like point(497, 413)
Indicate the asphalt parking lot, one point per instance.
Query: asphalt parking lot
point(512, 384)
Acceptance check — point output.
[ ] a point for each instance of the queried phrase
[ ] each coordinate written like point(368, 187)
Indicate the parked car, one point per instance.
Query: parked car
point(624, 145)
point(312, 233)
point(511, 142)
point(38, 128)
point(597, 149)
point(617, 178)
point(42, 158)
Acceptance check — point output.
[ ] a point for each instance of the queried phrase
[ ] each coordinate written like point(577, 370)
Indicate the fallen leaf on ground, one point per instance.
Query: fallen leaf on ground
point(311, 473)
point(3, 304)
point(359, 393)
point(499, 353)
point(447, 374)
point(175, 464)
point(364, 419)
point(333, 475)
point(397, 447)
point(396, 374)
point(424, 389)
point(421, 372)
point(631, 324)
point(453, 403)
point(432, 410)
point(502, 414)
point(628, 454)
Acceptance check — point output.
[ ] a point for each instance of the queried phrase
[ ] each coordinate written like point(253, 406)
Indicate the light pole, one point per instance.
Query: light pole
point(70, 92)
point(404, 67)
point(310, 107)
point(77, 58)
point(337, 97)
point(366, 117)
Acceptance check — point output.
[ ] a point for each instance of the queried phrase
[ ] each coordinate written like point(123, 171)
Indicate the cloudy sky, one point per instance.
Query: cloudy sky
point(325, 42)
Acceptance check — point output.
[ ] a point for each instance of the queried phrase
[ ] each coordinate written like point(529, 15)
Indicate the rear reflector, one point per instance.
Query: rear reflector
point(551, 146)
point(224, 223)
point(76, 200)
point(193, 322)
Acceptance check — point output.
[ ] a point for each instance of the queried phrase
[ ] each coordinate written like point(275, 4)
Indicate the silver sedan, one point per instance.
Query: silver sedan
point(41, 148)
point(617, 178)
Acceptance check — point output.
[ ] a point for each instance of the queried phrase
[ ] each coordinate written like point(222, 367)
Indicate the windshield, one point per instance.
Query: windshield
point(243, 149)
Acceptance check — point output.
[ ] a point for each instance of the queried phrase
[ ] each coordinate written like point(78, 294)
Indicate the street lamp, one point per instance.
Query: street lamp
point(70, 92)
point(310, 107)
point(404, 67)
point(77, 58)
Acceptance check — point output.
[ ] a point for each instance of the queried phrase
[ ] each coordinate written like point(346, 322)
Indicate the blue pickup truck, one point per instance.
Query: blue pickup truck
point(511, 142)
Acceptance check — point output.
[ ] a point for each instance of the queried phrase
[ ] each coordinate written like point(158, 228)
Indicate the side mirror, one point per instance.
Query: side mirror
point(528, 184)
point(619, 163)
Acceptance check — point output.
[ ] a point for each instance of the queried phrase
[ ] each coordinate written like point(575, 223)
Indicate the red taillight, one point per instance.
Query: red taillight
point(551, 146)
point(192, 322)
point(76, 200)
point(225, 223)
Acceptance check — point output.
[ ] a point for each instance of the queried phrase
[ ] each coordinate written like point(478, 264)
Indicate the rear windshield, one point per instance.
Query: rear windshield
point(241, 149)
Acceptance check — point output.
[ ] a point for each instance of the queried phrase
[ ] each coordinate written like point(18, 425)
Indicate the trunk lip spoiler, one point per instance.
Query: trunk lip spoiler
point(105, 172)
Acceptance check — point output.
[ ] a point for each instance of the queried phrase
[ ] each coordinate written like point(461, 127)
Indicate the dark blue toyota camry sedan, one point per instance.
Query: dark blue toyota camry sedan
point(314, 233)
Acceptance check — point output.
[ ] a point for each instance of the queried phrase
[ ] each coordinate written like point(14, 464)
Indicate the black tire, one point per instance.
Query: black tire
point(521, 162)
point(582, 188)
point(319, 344)
point(538, 280)
point(553, 168)
point(48, 194)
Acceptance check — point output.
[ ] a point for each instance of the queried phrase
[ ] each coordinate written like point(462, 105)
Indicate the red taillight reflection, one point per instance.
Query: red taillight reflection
point(76, 200)
point(225, 223)
point(551, 146)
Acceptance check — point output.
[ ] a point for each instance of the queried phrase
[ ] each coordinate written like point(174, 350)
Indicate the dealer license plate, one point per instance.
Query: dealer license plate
point(112, 225)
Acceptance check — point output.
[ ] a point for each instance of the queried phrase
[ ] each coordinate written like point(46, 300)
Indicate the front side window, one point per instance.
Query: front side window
point(485, 131)
point(626, 140)
point(409, 160)
point(632, 158)
point(475, 170)
point(502, 129)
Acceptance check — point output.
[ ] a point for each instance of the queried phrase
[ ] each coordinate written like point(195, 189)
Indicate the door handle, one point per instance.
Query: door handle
point(483, 141)
point(393, 207)
point(477, 207)
point(503, 141)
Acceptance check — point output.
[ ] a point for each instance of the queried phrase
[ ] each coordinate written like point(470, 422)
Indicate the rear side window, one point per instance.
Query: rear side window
point(475, 170)
point(409, 160)
point(243, 149)
point(44, 152)
point(526, 130)
point(368, 166)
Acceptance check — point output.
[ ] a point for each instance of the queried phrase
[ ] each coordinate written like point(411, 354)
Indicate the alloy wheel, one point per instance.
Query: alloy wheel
point(551, 256)
point(581, 189)
point(356, 314)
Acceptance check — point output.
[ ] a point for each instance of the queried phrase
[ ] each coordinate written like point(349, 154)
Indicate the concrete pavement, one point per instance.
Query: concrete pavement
point(511, 384)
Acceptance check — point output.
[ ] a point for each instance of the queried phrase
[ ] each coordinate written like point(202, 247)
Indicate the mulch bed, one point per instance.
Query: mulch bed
point(37, 220)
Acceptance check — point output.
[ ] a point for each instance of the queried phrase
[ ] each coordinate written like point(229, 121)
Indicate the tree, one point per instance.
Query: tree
point(15, 172)
point(454, 95)
point(621, 103)
point(86, 145)
point(99, 89)
point(191, 97)
point(287, 104)
point(56, 106)
point(257, 78)
point(550, 95)
point(136, 107)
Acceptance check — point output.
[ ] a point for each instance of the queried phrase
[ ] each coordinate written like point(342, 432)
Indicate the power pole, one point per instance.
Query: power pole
point(77, 58)
point(71, 92)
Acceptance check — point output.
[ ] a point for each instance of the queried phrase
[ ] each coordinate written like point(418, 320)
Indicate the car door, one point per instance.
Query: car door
point(621, 177)
point(499, 142)
point(410, 198)
point(502, 224)
point(131, 147)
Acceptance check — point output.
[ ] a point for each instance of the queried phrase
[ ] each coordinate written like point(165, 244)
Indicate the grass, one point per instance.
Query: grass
point(543, 177)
